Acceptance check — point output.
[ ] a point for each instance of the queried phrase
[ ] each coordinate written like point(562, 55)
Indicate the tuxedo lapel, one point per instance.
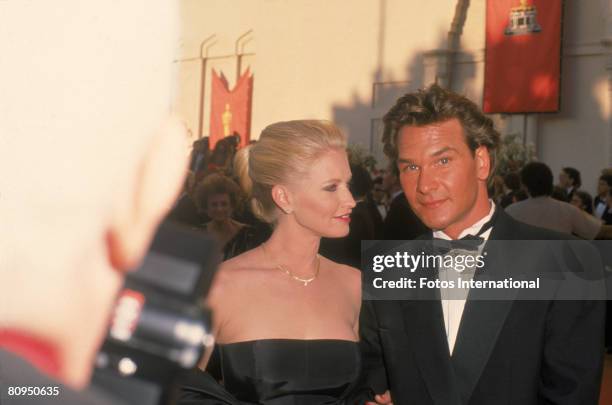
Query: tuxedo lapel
point(481, 324)
point(483, 320)
point(424, 323)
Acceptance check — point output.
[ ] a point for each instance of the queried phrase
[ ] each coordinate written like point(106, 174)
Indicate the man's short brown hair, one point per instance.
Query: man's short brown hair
point(436, 104)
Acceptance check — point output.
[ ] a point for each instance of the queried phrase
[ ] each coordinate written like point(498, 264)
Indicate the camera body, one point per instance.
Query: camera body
point(159, 327)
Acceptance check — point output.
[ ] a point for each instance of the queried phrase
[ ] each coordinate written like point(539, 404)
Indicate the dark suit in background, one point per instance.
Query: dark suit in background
point(401, 223)
point(366, 224)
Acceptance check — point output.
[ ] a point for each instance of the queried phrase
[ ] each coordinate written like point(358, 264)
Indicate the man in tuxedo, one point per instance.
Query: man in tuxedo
point(600, 204)
point(89, 85)
point(470, 351)
point(569, 181)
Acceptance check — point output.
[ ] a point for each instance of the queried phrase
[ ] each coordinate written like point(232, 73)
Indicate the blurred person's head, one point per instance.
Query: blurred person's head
point(444, 147)
point(604, 185)
point(512, 181)
point(223, 154)
point(582, 200)
point(234, 140)
point(378, 191)
point(298, 173)
point(496, 187)
point(217, 196)
point(361, 182)
point(390, 179)
point(93, 96)
point(569, 177)
point(537, 179)
point(519, 195)
point(201, 145)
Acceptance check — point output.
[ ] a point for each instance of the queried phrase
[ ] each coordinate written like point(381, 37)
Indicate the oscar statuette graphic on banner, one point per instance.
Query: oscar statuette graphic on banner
point(230, 111)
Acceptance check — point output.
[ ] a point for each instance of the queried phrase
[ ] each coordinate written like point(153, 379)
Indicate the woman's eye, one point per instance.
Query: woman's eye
point(333, 187)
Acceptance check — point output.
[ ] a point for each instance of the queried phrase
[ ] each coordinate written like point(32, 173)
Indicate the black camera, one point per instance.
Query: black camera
point(160, 326)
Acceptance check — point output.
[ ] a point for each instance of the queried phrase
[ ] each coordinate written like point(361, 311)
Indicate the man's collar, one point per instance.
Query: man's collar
point(473, 229)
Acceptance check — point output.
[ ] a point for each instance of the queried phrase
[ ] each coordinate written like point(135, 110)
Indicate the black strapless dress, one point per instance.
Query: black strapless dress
point(279, 372)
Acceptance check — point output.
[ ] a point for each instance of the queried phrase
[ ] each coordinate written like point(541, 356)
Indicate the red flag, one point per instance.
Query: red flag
point(523, 56)
point(230, 111)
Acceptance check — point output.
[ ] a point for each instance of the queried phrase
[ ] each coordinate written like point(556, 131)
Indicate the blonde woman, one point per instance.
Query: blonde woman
point(286, 318)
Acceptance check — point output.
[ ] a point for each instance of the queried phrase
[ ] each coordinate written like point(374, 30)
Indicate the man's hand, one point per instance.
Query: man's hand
point(382, 399)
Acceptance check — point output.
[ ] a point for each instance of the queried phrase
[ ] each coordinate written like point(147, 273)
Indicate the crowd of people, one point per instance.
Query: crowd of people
point(213, 201)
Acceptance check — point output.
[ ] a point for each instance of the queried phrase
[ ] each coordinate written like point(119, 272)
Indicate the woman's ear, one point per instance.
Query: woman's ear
point(282, 198)
point(139, 211)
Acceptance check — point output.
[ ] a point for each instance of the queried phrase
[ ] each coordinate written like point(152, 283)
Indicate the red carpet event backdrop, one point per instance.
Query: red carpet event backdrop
point(230, 111)
point(522, 57)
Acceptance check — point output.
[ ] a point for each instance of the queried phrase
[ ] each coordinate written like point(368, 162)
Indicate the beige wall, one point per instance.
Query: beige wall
point(348, 60)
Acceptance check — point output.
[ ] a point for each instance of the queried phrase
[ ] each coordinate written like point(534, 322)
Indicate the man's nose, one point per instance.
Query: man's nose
point(427, 181)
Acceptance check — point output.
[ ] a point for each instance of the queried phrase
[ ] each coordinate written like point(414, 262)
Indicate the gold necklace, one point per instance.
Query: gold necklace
point(288, 272)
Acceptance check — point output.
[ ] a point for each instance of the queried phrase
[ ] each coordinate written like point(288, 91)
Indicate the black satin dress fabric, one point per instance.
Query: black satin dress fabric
point(288, 372)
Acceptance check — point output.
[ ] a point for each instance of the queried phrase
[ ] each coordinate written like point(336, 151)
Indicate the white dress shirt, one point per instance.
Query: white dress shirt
point(453, 308)
point(600, 209)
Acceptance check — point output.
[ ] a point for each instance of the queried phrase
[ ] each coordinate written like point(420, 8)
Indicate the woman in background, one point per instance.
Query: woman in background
point(285, 318)
point(217, 196)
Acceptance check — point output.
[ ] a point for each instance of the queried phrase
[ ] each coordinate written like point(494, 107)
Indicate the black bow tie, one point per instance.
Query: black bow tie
point(468, 242)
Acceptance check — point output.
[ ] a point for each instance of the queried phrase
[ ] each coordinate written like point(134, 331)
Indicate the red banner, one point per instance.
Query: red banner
point(230, 111)
point(523, 56)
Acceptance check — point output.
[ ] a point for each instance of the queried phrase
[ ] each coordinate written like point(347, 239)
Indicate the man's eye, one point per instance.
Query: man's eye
point(411, 168)
point(444, 161)
point(331, 188)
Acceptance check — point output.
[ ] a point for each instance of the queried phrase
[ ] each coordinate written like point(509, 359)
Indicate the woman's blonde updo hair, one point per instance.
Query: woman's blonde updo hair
point(283, 153)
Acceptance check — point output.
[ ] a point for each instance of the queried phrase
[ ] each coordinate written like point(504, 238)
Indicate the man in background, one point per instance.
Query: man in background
point(600, 204)
point(91, 162)
point(569, 181)
point(543, 211)
point(400, 222)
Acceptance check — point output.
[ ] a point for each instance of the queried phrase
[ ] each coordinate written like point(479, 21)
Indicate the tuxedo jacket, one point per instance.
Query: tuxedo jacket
point(506, 352)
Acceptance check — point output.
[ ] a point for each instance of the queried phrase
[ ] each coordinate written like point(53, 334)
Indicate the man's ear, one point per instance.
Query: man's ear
point(282, 198)
point(158, 180)
point(483, 163)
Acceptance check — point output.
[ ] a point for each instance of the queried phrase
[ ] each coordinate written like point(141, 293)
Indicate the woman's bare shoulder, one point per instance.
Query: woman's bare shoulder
point(346, 270)
point(234, 273)
point(349, 274)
